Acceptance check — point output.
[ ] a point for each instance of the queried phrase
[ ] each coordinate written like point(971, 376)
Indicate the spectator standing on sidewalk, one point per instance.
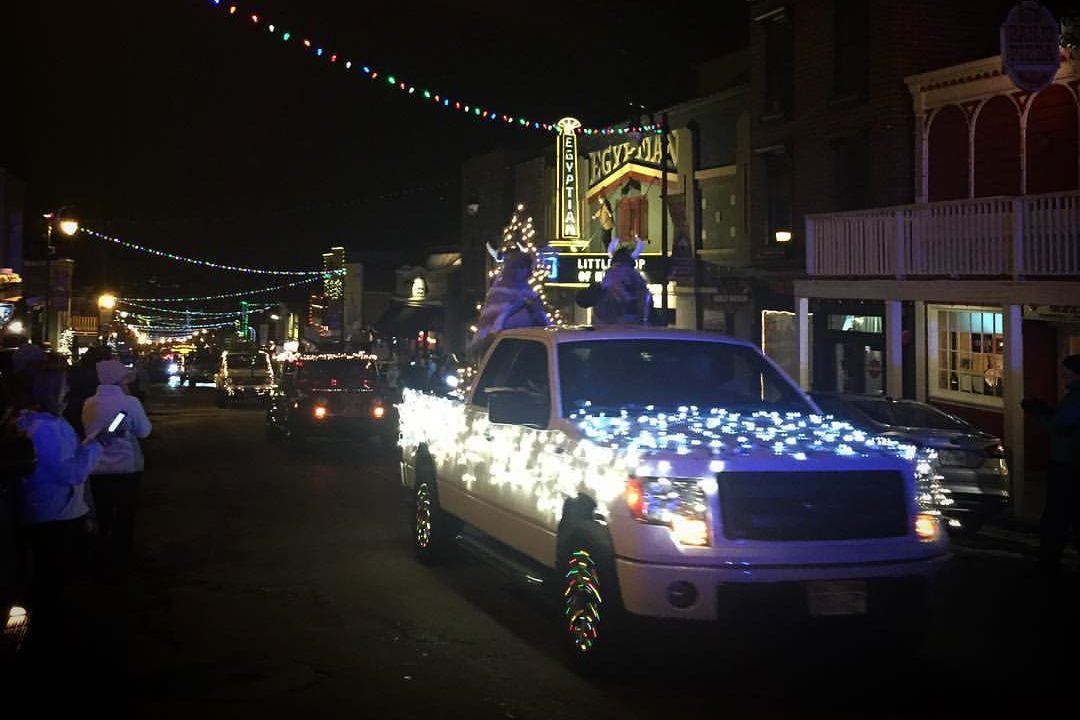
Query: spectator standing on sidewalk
point(114, 480)
point(54, 507)
point(82, 382)
point(1061, 513)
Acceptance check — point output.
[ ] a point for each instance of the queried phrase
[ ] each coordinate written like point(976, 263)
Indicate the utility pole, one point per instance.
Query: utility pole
point(663, 214)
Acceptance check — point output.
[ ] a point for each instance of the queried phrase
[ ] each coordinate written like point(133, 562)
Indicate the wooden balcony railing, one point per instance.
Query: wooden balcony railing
point(1031, 235)
point(84, 323)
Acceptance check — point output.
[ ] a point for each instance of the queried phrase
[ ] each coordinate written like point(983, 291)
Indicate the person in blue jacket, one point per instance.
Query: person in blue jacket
point(53, 505)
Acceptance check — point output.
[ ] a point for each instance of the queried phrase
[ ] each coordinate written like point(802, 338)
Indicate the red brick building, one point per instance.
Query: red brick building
point(938, 219)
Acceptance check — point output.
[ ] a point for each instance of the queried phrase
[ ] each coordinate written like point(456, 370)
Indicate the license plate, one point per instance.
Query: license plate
point(846, 597)
point(352, 407)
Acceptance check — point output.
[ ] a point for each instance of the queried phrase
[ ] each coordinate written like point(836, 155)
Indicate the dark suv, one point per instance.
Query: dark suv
point(331, 396)
point(971, 462)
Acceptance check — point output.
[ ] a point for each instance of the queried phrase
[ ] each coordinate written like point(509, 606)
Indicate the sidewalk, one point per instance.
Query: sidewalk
point(1012, 537)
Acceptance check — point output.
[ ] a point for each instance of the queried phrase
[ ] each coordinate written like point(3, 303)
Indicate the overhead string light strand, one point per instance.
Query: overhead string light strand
point(199, 313)
point(196, 261)
point(239, 293)
point(319, 52)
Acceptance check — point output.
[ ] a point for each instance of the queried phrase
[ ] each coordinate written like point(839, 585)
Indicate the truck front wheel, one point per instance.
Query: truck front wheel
point(434, 530)
point(594, 621)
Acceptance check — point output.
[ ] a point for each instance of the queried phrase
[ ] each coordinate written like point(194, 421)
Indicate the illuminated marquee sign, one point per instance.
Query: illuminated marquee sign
point(648, 150)
point(568, 206)
point(580, 269)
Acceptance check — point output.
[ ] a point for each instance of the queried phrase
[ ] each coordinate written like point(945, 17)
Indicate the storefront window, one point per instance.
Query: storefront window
point(967, 348)
point(856, 323)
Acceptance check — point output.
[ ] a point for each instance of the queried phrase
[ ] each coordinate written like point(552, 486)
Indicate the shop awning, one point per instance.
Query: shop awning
point(405, 320)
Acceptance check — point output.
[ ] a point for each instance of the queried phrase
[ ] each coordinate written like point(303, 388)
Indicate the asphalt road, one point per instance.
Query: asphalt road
point(276, 584)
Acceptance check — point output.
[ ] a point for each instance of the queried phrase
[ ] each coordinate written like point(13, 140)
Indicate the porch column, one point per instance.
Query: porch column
point(1013, 392)
point(894, 349)
point(802, 330)
point(921, 359)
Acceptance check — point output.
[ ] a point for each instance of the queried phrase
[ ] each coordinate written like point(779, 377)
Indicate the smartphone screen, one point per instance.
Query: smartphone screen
point(117, 420)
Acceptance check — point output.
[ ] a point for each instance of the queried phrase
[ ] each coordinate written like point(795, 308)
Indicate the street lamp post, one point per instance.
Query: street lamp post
point(663, 214)
point(663, 128)
point(106, 305)
point(68, 226)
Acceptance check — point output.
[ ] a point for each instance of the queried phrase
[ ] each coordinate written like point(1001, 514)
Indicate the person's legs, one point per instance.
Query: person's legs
point(54, 547)
point(105, 501)
point(126, 491)
point(1056, 518)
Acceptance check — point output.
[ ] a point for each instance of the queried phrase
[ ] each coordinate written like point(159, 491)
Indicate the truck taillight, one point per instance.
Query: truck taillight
point(635, 500)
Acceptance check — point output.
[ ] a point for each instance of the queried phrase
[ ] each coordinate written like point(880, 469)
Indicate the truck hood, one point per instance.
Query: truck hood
point(731, 436)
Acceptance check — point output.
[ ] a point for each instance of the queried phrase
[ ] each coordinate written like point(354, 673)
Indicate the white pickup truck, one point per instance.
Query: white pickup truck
point(669, 474)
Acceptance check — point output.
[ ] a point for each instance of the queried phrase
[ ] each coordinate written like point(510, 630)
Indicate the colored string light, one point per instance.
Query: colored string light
point(391, 80)
point(172, 328)
point(199, 313)
point(195, 261)
point(239, 293)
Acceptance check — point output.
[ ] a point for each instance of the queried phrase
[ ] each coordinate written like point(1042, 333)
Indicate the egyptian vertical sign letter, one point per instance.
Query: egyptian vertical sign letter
point(568, 207)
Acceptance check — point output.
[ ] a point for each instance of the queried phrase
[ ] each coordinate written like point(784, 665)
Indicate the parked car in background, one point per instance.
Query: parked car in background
point(338, 396)
point(972, 462)
point(242, 375)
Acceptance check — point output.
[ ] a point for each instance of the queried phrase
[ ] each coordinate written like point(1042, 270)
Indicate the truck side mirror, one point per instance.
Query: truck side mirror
point(517, 406)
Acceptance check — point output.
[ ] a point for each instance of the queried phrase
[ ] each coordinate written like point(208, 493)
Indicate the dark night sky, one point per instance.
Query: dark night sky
point(169, 124)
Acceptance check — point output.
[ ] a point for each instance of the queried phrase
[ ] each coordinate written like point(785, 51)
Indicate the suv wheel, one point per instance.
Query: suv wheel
point(434, 531)
point(593, 617)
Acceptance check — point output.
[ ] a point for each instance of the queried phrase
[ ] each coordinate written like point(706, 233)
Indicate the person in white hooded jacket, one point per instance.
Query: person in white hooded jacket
point(114, 481)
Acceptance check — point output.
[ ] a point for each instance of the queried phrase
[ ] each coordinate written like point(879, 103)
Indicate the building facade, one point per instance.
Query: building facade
point(965, 295)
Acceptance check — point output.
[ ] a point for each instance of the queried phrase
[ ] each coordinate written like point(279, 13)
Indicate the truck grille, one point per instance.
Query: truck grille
point(812, 505)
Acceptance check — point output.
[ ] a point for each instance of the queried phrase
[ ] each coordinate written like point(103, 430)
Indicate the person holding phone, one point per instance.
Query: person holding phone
point(114, 480)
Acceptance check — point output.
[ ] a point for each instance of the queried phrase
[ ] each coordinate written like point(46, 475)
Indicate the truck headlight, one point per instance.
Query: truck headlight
point(678, 503)
point(378, 410)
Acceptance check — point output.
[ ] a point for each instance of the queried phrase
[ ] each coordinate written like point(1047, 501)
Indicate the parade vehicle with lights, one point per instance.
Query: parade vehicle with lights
point(331, 395)
point(242, 375)
point(199, 366)
point(660, 473)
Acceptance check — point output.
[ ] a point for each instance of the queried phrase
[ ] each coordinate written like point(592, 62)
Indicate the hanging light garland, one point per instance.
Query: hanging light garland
point(171, 328)
point(199, 313)
point(195, 261)
point(391, 80)
point(239, 293)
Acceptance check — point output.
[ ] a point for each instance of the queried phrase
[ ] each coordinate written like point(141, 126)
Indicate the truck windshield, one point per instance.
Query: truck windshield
point(614, 375)
point(258, 361)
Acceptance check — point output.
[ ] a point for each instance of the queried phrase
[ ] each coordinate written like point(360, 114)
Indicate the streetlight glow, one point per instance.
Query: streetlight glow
point(106, 301)
point(69, 226)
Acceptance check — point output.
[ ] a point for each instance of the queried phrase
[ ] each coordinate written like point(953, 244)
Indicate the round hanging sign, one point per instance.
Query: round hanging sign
point(1030, 46)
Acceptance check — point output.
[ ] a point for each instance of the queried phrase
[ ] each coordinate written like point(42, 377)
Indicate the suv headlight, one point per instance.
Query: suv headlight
point(678, 503)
